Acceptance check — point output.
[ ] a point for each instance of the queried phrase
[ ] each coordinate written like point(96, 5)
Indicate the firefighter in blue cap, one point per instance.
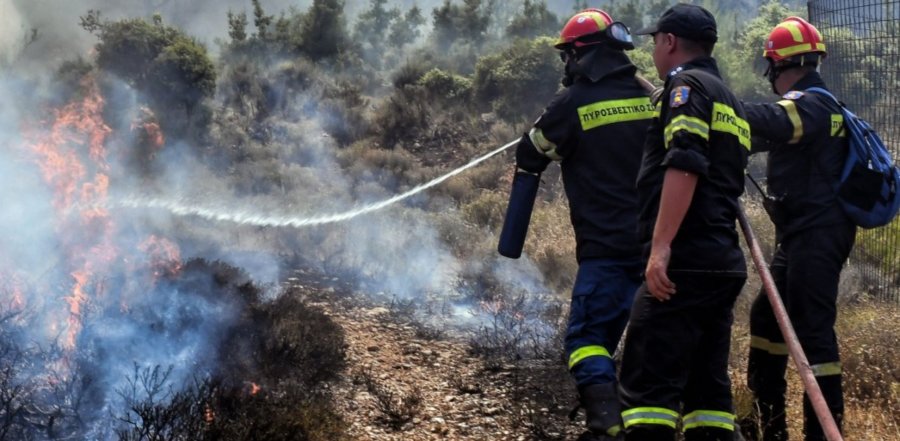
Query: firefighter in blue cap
point(595, 128)
point(675, 361)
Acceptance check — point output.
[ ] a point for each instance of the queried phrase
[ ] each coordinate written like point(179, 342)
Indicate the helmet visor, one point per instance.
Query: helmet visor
point(761, 65)
point(620, 35)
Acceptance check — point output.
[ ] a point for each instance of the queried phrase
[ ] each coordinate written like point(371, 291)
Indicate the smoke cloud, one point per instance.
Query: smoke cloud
point(97, 281)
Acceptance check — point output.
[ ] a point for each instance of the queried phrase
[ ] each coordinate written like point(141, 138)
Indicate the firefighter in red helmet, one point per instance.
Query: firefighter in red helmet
point(807, 146)
point(595, 128)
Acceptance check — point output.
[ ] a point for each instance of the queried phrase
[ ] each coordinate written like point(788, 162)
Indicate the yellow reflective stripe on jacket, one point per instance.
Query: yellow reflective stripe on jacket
point(614, 111)
point(768, 346)
point(826, 369)
point(543, 145)
point(650, 415)
point(837, 125)
point(724, 119)
point(791, 109)
point(585, 352)
point(689, 124)
point(709, 418)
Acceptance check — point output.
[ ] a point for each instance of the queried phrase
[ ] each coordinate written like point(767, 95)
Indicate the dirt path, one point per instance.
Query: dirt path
point(448, 393)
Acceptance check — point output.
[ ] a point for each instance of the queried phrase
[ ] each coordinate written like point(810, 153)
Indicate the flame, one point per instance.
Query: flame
point(75, 301)
point(13, 298)
point(162, 255)
point(80, 188)
point(208, 414)
point(149, 133)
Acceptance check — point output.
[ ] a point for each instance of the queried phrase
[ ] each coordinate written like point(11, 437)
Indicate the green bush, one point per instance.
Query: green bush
point(518, 81)
point(446, 87)
point(173, 70)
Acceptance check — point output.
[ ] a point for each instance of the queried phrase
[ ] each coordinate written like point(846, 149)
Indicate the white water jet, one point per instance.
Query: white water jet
point(179, 208)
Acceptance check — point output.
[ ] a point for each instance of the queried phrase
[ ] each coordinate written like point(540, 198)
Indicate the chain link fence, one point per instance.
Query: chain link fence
point(863, 70)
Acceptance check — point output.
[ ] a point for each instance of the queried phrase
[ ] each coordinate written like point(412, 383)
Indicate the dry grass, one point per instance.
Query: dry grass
point(867, 335)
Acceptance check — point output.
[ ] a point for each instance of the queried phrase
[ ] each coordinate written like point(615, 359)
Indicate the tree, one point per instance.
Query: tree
point(452, 22)
point(323, 29)
point(744, 55)
point(533, 21)
point(172, 70)
point(237, 26)
point(373, 24)
point(371, 30)
point(406, 29)
point(579, 5)
point(261, 21)
point(628, 12)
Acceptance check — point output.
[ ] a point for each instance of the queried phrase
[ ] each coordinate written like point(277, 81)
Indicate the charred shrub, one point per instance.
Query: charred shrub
point(515, 327)
point(401, 116)
point(269, 384)
point(285, 339)
point(342, 112)
point(397, 407)
point(211, 410)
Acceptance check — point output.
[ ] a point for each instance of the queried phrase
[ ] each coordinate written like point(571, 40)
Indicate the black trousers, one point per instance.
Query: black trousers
point(806, 268)
point(675, 361)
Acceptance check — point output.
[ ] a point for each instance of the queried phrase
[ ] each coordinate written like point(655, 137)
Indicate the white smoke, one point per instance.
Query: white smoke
point(395, 250)
point(12, 32)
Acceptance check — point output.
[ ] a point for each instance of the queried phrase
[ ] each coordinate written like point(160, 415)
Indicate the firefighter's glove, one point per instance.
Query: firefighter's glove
point(774, 208)
point(528, 158)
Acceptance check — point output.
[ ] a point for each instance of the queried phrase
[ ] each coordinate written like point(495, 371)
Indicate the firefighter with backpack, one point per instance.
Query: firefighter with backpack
point(807, 145)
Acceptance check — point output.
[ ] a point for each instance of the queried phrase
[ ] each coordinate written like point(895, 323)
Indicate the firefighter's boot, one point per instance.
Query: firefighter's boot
point(834, 397)
point(765, 375)
point(603, 411)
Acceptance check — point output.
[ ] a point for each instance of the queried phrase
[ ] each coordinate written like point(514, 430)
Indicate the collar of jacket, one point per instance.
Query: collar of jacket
point(602, 62)
point(704, 63)
point(812, 79)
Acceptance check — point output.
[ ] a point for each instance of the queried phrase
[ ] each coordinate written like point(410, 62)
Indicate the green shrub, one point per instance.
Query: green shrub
point(520, 80)
point(446, 87)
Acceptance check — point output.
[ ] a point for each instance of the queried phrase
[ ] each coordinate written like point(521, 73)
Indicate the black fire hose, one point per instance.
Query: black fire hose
point(829, 427)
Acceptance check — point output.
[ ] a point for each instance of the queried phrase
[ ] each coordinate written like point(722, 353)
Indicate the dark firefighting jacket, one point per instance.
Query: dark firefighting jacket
point(807, 150)
point(701, 129)
point(596, 128)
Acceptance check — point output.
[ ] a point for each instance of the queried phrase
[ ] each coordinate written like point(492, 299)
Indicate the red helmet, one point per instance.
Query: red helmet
point(791, 38)
point(587, 22)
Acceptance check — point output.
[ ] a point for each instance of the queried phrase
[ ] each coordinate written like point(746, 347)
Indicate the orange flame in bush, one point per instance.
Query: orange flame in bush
point(163, 256)
point(72, 157)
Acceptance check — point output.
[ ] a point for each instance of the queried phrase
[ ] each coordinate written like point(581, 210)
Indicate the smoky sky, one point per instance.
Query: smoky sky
point(61, 38)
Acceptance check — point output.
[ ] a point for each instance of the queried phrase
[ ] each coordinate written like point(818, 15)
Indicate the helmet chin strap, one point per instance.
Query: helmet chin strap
point(772, 74)
point(774, 71)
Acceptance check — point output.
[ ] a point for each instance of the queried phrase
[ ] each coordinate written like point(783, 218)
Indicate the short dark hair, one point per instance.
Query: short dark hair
point(696, 46)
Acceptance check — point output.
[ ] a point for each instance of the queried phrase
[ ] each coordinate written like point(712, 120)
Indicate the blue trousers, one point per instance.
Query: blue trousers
point(601, 303)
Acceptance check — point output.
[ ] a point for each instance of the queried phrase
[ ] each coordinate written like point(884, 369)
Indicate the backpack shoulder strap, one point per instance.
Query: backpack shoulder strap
point(822, 91)
point(817, 159)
